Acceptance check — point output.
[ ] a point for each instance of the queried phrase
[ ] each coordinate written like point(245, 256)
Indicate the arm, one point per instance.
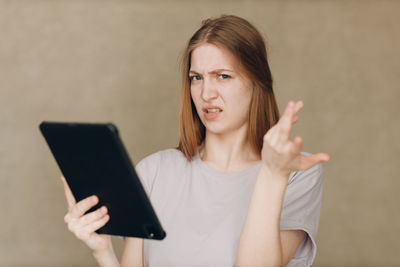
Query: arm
point(83, 226)
point(106, 258)
point(133, 252)
point(261, 241)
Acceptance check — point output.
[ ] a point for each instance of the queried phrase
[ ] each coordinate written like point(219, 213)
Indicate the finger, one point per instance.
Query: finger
point(93, 216)
point(84, 205)
point(285, 123)
point(293, 107)
point(96, 225)
point(295, 119)
point(270, 136)
point(290, 115)
point(324, 157)
point(68, 194)
point(298, 106)
point(298, 144)
point(307, 162)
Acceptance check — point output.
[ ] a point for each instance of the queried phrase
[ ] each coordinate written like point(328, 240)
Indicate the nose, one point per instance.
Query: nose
point(209, 90)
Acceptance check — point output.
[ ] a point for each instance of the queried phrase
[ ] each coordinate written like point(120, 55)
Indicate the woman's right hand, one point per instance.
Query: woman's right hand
point(84, 225)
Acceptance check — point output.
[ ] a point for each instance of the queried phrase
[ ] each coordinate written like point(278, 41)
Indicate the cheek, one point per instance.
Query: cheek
point(246, 94)
point(192, 93)
point(240, 97)
point(248, 97)
point(244, 104)
point(195, 96)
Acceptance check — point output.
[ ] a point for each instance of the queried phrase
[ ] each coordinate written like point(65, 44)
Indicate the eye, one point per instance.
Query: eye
point(223, 76)
point(195, 78)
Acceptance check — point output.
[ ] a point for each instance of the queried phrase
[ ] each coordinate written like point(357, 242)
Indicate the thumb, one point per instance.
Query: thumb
point(68, 194)
point(307, 162)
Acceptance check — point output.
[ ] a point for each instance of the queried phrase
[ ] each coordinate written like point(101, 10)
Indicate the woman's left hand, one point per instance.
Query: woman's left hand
point(279, 154)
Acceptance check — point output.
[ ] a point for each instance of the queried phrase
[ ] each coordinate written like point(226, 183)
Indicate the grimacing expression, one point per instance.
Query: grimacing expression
point(220, 90)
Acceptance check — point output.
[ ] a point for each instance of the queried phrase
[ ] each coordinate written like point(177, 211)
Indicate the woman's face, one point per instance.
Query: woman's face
point(219, 89)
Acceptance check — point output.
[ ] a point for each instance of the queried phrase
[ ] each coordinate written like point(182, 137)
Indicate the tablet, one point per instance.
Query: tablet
point(93, 160)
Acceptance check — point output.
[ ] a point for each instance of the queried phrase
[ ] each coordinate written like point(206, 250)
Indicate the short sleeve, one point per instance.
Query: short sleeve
point(147, 170)
point(301, 211)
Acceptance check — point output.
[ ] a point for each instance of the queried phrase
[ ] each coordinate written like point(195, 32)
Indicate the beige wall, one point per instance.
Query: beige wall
point(117, 61)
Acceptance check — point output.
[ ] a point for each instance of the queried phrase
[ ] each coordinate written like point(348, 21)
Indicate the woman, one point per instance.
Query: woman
point(237, 191)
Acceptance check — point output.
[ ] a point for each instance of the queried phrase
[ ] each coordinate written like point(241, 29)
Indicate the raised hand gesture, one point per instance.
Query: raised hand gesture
point(279, 154)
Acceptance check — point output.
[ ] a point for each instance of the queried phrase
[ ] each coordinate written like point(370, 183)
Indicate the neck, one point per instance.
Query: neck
point(229, 152)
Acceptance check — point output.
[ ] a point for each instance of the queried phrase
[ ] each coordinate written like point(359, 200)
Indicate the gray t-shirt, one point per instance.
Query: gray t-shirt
point(203, 210)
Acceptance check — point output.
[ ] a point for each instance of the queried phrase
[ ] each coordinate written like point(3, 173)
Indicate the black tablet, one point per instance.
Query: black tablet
point(93, 160)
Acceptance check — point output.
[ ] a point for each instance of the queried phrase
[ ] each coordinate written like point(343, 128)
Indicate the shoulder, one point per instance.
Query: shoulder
point(168, 155)
point(162, 162)
point(157, 160)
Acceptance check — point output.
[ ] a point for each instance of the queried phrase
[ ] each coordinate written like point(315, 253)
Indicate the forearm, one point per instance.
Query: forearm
point(106, 258)
point(260, 243)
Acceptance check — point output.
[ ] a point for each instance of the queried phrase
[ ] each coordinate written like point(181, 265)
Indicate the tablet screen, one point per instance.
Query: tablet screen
point(93, 160)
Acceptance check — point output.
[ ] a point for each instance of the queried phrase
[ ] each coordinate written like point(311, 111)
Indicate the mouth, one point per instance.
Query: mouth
point(212, 110)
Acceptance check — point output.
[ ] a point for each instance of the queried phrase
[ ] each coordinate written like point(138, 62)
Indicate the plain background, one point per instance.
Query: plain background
point(117, 61)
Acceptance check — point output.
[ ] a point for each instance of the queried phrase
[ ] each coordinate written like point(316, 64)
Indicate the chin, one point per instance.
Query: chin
point(215, 129)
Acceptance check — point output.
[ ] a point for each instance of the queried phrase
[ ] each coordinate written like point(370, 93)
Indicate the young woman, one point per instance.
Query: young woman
point(237, 191)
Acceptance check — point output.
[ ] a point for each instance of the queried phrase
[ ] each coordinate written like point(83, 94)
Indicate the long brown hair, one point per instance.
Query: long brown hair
point(247, 45)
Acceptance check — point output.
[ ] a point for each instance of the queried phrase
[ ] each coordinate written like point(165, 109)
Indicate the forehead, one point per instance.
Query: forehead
point(208, 57)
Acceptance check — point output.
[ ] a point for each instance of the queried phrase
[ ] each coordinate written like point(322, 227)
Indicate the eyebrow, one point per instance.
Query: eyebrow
point(212, 72)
